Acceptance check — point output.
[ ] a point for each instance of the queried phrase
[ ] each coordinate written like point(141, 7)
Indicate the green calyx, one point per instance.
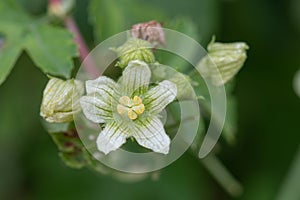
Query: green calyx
point(134, 49)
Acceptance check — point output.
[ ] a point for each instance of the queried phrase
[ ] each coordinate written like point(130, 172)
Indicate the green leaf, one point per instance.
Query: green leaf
point(51, 48)
point(12, 19)
point(9, 54)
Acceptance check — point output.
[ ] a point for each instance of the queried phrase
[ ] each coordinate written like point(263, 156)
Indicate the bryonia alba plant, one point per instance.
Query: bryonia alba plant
point(132, 100)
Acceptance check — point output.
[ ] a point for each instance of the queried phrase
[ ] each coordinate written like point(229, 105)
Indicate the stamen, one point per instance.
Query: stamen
point(131, 114)
point(125, 100)
point(133, 107)
point(137, 100)
point(139, 109)
point(122, 109)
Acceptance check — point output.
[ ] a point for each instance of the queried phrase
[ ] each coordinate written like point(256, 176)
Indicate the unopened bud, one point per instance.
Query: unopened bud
point(184, 86)
point(183, 82)
point(223, 61)
point(60, 8)
point(134, 49)
point(151, 31)
point(60, 100)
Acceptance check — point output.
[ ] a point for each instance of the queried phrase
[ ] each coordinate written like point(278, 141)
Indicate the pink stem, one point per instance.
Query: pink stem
point(71, 25)
point(89, 65)
point(53, 2)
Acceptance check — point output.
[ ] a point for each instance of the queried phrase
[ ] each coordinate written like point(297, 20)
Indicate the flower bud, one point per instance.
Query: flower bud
point(184, 86)
point(151, 31)
point(60, 100)
point(223, 61)
point(183, 82)
point(134, 49)
point(60, 8)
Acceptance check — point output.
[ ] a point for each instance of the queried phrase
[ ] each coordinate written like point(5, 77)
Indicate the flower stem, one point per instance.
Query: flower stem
point(222, 175)
point(88, 63)
point(290, 187)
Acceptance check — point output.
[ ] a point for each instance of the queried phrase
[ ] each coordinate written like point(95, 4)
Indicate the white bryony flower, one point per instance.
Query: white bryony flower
point(61, 100)
point(129, 108)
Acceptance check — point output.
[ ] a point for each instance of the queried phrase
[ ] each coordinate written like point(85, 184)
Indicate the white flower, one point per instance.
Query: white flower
point(129, 108)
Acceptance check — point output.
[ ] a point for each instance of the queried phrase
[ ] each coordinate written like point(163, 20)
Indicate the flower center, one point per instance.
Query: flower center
point(133, 107)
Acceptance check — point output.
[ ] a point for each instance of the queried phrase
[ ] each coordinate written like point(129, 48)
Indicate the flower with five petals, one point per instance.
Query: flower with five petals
point(129, 108)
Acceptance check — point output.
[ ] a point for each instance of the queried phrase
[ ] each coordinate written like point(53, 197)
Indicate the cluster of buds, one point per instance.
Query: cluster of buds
point(60, 100)
point(223, 61)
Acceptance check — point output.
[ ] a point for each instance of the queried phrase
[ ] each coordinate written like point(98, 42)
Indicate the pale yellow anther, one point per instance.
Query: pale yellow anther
point(131, 114)
point(137, 100)
point(122, 109)
point(125, 100)
point(133, 107)
point(139, 109)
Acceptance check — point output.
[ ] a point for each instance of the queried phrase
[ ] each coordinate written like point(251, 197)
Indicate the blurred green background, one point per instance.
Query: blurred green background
point(268, 108)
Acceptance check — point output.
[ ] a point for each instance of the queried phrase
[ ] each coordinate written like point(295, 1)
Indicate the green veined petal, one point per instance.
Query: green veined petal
point(97, 105)
point(151, 134)
point(136, 78)
point(112, 137)
point(103, 85)
point(160, 96)
point(95, 109)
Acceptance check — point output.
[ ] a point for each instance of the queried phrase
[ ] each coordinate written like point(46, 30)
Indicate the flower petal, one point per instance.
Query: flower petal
point(136, 78)
point(97, 105)
point(151, 134)
point(102, 85)
point(112, 137)
point(95, 109)
point(160, 96)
